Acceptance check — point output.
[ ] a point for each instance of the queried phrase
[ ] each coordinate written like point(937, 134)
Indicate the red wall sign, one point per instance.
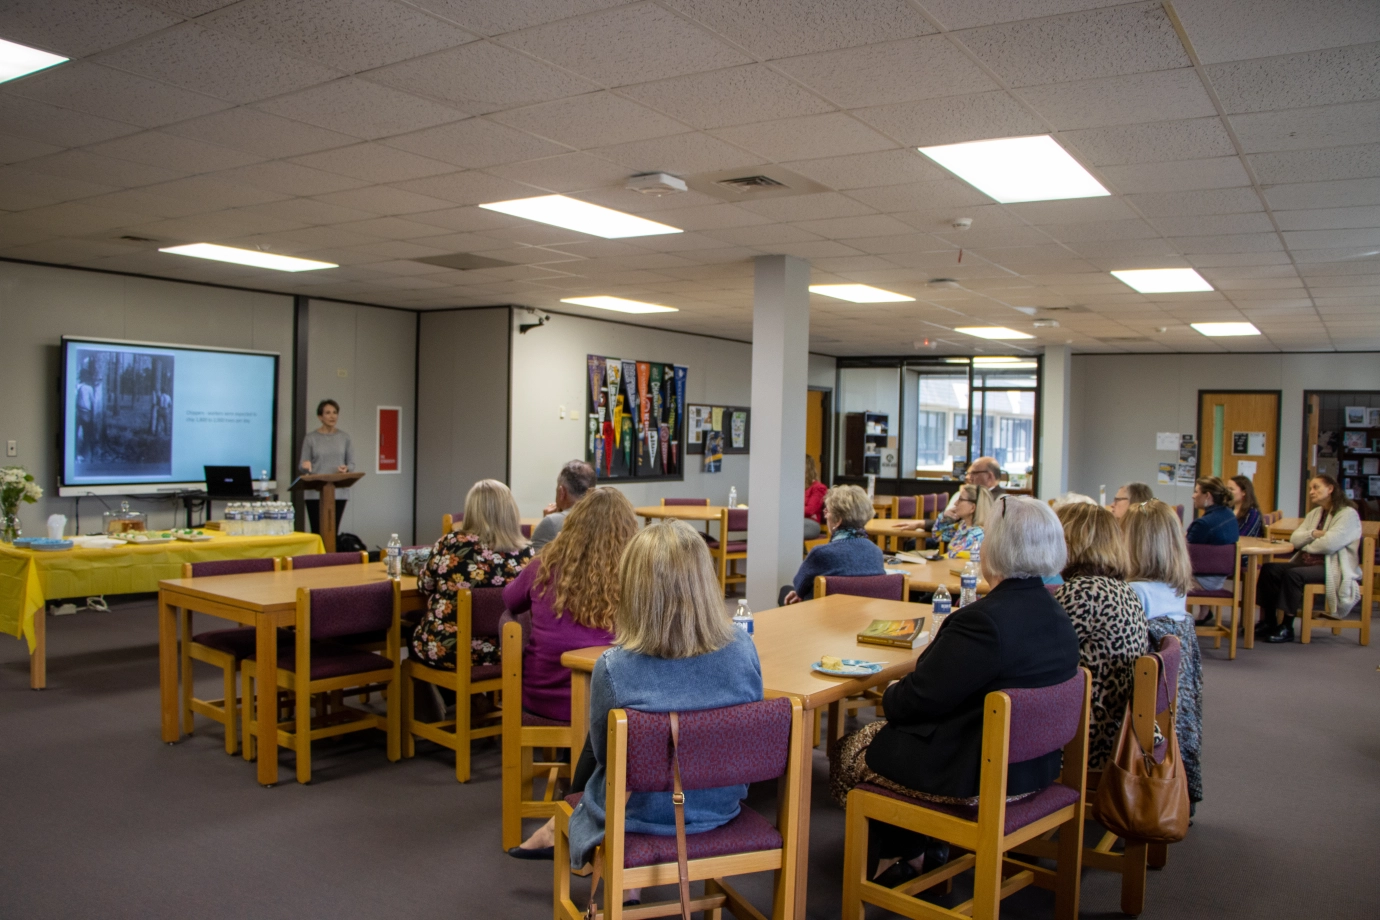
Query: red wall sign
point(389, 422)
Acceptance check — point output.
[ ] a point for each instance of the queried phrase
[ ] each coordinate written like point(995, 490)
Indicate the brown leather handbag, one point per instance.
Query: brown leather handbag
point(1139, 798)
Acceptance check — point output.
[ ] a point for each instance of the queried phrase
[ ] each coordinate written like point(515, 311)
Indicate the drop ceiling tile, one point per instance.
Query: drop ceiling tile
point(77, 28)
point(908, 242)
point(1183, 175)
point(1072, 211)
point(494, 17)
point(360, 108)
point(140, 203)
point(680, 155)
point(793, 27)
point(103, 92)
point(101, 170)
point(1191, 139)
point(350, 35)
point(629, 44)
point(1329, 219)
point(374, 163)
point(1213, 224)
point(663, 209)
point(591, 120)
point(395, 228)
point(21, 190)
point(385, 200)
point(953, 119)
point(1099, 43)
point(571, 172)
point(14, 149)
point(1336, 75)
point(1232, 30)
point(260, 133)
point(1136, 98)
point(806, 207)
point(1203, 201)
point(312, 239)
point(732, 96)
point(849, 228)
point(820, 250)
point(471, 187)
point(158, 149)
point(1357, 162)
point(482, 77)
point(1116, 254)
point(1101, 230)
point(289, 178)
point(762, 235)
point(213, 194)
point(1245, 242)
point(1320, 126)
point(80, 219)
point(890, 72)
point(467, 220)
point(866, 170)
point(834, 134)
point(475, 142)
point(1330, 239)
point(221, 225)
point(717, 217)
point(1313, 195)
point(965, 14)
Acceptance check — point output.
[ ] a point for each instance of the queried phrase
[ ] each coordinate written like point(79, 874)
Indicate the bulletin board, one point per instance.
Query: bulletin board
point(734, 422)
point(636, 412)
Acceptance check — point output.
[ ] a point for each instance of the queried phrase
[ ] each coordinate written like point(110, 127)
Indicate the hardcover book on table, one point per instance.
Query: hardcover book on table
point(897, 633)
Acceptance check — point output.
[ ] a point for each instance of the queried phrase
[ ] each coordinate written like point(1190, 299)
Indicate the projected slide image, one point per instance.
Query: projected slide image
point(124, 412)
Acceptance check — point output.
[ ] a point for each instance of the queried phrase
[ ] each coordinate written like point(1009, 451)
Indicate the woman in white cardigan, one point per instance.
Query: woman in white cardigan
point(1328, 542)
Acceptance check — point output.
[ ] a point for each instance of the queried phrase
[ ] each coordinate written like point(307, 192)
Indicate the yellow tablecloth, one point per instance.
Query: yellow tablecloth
point(28, 578)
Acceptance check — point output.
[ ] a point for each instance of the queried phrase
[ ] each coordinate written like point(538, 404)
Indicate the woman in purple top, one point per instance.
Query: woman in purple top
point(572, 592)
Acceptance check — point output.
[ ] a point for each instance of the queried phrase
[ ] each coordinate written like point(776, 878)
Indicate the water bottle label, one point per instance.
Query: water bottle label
point(968, 582)
point(942, 606)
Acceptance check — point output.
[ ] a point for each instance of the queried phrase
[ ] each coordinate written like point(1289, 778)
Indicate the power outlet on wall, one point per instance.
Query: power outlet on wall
point(11, 448)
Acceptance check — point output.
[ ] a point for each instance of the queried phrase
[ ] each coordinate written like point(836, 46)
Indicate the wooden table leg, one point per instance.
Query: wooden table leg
point(802, 851)
point(579, 714)
point(38, 658)
point(1248, 601)
point(266, 701)
point(167, 670)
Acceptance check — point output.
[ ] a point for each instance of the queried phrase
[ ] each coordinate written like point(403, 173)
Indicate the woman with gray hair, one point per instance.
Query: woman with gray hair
point(850, 551)
point(930, 745)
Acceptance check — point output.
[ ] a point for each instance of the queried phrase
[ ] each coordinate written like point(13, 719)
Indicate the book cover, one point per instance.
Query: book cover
point(899, 633)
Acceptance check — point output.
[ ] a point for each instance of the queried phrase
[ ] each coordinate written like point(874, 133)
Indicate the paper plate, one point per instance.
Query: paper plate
point(45, 545)
point(852, 667)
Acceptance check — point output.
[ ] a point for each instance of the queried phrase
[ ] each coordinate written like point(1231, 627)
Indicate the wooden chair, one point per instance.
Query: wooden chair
point(448, 523)
point(893, 586)
point(902, 507)
point(820, 540)
point(324, 560)
point(726, 551)
point(1269, 518)
point(711, 754)
point(1018, 725)
point(523, 735)
point(688, 503)
point(477, 612)
point(1310, 619)
point(315, 666)
point(222, 648)
point(1218, 560)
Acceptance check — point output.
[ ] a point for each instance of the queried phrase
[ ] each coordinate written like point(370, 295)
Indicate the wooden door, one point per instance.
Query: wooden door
point(814, 430)
point(1231, 427)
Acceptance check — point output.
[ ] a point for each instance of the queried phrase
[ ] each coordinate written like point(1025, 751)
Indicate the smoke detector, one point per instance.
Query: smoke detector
point(962, 223)
point(655, 184)
point(942, 283)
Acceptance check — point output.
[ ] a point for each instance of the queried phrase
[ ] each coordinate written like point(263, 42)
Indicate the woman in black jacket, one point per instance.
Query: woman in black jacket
point(1016, 636)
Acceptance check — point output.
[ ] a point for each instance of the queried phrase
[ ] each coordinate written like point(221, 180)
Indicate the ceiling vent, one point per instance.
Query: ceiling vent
point(753, 183)
point(464, 261)
point(745, 184)
point(139, 239)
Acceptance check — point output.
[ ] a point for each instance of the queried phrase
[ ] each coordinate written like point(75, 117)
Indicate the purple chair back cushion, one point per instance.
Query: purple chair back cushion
point(522, 619)
point(905, 506)
point(1212, 560)
point(737, 519)
point(231, 567)
point(323, 560)
point(718, 747)
point(885, 587)
point(351, 609)
point(936, 503)
point(1044, 719)
point(526, 530)
point(486, 609)
point(690, 502)
point(1172, 654)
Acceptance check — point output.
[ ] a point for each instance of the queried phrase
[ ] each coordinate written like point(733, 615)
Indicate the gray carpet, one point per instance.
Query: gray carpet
point(100, 819)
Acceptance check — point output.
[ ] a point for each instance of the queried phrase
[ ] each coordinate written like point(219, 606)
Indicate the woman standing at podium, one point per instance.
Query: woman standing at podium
point(327, 450)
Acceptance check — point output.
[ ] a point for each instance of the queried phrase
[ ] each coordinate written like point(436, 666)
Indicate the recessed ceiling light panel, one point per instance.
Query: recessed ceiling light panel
point(20, 60)
point(573, 214)
point(1163, 280)
point(1013, 169)
point(251, 257)
point(993, 332)
point(859, 293)
point(1224, 329)
point(620, 305)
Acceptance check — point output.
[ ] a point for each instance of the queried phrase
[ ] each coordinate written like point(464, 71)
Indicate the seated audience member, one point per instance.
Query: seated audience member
point(1216, 526)
point(1162, 576)
point(961, 525)
point(572, 482)
point(488, 550)
point(814, 499)
point(1133, 493)
point(1248, 520)
point(1328, 543)
point(929, 746)
point(1107, 616)
point(572, 592)
point(850, 551)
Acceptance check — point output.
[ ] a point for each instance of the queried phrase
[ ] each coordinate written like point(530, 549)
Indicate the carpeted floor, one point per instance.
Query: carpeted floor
point(99, 819)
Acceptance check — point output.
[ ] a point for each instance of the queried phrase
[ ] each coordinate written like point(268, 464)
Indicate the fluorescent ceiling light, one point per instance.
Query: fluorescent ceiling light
point(19, 60)
point(858, 293)
point(252, 257)
point(619, 304)
point(1163, 280)
point(1221, 329)
point(1012, 169)
point(572, 214)
point(993, 332)
point(995, 360)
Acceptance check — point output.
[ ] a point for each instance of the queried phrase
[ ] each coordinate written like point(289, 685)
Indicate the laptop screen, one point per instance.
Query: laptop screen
point(229, 482)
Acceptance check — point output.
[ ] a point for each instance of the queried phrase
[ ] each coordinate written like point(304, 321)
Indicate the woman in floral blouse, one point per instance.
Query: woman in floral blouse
point(488, 551)
point(963, 531)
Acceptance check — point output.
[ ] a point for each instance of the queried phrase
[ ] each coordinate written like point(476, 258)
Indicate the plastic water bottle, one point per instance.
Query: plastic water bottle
point(742, 617)
point(393, 558)
point(733, 496)
point(968, 583)
point(942, 604)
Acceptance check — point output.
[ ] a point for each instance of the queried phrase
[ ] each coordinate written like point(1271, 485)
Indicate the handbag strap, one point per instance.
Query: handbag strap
point(678, 799)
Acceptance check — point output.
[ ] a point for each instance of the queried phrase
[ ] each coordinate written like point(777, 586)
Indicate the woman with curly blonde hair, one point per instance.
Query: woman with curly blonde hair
point(572, 593)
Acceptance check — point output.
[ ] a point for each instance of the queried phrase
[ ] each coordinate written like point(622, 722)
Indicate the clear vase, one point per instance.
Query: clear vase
point(9, 528)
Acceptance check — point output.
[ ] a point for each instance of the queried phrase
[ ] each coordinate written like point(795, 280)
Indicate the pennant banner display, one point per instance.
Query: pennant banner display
point(637, 417)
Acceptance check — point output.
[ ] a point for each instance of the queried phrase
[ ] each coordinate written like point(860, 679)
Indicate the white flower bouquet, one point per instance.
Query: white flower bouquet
point(16, 485)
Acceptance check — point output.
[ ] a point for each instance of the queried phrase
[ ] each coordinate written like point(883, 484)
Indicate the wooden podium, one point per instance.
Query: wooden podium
point(326, 482)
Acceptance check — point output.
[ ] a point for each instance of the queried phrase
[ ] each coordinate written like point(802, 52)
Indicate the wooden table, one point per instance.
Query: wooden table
point(1282, 528)
point(1252, 549)
point(789, 640)
point(927, 576)
point(681, 512)
point(266, 601)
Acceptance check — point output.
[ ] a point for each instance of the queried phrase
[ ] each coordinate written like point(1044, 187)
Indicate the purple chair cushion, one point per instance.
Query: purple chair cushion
point(1199, 592)
point(486, 609)
point(1018, 814)
point(522, 619)
point(718, 747)
point(688, 502)
point(935, 503)
point(1171, 652)
point(734, 546)
point(485, 672)
point(237, 642)
point(1044, 719)
point(351, 610)
point(747, 833)
point(905, 506)
point(737, 519)
point(532, 719)
point(886, 587)
point(322, 560)
point(231, 567)
point(1212, 560)
point(526, 529)
point(331, 660)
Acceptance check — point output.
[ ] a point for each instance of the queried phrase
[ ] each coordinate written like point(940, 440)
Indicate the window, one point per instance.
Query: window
point(930, 440)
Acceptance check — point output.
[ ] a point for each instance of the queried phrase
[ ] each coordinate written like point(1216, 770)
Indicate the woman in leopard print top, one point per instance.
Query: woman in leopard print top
point(1108, 617)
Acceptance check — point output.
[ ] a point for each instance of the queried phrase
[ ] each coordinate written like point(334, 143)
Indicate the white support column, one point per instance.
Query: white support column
point(1056, 390)
point(776, 477)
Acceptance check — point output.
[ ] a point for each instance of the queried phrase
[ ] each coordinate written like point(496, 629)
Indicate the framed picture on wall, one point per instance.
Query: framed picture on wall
point(1355, 416)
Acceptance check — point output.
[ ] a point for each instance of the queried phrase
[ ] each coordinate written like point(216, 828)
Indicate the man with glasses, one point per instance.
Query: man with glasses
point(984, 472)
